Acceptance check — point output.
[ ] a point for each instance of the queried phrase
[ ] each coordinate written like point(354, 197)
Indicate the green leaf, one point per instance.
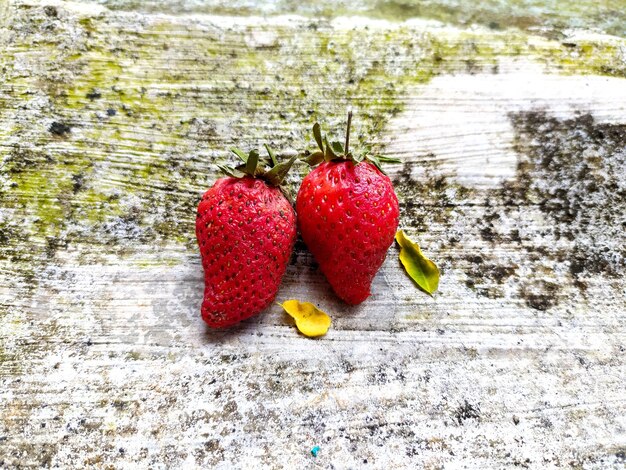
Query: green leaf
point(314, 159)
point(419, 268)
point(317, 133)
point(253, 161)
point(376, 163)
point(328, 154)
point(337, 147)
point(271, 154)
point(358, 158)
point(388, 159)
point(277, 174)
point(231, 171)
point(240, 154)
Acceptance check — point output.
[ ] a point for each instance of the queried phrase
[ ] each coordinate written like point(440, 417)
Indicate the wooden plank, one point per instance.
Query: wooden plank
point(512, 178)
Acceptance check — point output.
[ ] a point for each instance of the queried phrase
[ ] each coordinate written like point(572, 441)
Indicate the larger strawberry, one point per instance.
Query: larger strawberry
point(348, 215)
point(246, 230)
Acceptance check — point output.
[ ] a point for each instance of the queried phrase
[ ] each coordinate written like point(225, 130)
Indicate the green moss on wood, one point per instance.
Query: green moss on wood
point(149, 108)
point(547, 17)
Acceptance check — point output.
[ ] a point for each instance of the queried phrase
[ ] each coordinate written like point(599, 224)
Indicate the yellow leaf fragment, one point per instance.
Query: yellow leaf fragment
point(422, 270)
point(310, 320)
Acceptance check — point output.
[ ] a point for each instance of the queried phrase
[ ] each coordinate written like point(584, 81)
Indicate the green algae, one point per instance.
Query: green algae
point(548, 17)
point(150, 109)
point(133, 356)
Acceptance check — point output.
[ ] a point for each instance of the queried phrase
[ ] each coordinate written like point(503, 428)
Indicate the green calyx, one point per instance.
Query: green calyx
point(330, 151)
point(267, 169)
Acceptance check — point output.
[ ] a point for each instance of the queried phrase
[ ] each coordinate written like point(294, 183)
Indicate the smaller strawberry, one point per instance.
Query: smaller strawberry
point(348, 215)
point(246, 229)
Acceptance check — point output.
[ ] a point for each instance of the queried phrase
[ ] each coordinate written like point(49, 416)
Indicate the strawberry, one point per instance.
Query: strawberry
point(246, 229)
point(348, 215)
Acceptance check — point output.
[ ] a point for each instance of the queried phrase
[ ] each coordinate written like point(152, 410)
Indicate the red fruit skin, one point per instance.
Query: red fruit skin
point(246, 231)
point(348, 215)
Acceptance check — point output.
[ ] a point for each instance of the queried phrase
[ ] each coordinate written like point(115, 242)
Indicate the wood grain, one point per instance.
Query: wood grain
point(513, 174)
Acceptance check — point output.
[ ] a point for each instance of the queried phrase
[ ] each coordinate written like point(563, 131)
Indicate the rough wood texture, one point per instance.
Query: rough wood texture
point(512, 136)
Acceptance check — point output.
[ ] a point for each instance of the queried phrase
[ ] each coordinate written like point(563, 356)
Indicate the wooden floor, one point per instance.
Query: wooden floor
point(511, 130)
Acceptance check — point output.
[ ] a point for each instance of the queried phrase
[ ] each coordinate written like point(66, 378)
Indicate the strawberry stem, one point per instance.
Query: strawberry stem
point(345, 150)
point(272, 171)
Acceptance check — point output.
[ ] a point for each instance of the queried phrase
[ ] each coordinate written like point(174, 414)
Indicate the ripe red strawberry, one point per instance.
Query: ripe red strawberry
point(246, 230)
point(348, 216)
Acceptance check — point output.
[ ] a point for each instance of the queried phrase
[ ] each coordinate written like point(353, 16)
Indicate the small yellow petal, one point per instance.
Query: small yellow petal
point(422, 270)
point(310, 320)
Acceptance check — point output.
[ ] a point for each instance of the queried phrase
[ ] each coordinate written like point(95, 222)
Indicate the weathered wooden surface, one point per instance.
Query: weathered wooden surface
point(512, 135)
